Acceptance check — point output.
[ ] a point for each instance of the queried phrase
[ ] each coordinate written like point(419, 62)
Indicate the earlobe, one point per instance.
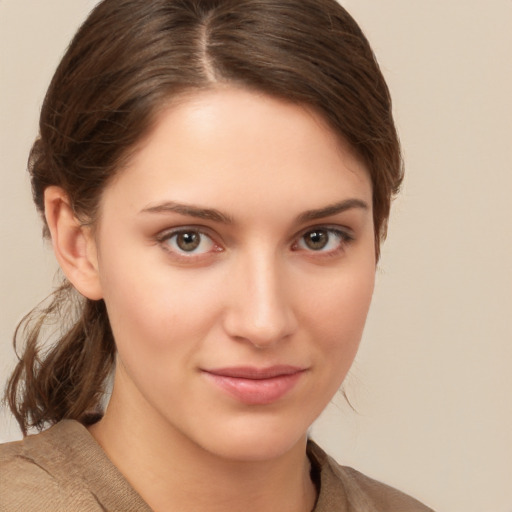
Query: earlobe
point(73, 244)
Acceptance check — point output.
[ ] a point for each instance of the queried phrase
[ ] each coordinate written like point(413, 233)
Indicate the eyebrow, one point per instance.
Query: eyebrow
point(217, 216)
point(332, 209)
point(189, 210)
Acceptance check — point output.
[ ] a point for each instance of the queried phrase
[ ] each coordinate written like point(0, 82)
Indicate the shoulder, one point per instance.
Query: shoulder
point(32, 472)
point(61, 469)
point(344, 488)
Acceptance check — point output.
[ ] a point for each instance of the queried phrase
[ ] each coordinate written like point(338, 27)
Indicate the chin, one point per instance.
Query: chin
point(255, 442)
point(263, 449)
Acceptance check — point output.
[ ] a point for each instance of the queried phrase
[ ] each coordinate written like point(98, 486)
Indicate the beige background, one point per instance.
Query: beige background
point(432, 383)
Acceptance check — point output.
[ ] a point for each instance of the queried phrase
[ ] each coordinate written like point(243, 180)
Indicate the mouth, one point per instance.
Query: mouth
point(255, 386)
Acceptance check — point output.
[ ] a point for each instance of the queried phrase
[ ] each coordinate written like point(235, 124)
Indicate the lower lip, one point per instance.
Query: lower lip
point(256, 391)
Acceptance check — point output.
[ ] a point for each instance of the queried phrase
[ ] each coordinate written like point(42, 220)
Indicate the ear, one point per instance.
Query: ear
point(73, 244)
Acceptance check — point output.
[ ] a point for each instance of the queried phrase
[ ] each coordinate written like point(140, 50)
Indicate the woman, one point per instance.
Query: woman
point(215, 177)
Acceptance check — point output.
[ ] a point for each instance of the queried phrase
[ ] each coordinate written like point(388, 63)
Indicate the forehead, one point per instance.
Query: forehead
point(230, 144)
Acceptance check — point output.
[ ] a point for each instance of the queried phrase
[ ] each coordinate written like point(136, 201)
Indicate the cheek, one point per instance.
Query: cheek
point(153, 308)
point(342, 303)
point(338, 315)
point(356, 300)
point(335, 316)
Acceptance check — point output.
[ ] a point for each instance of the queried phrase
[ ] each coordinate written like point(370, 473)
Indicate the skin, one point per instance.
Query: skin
point(253, 293)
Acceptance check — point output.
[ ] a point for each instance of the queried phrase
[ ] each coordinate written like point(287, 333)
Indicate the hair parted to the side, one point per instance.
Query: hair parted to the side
point(127, 62)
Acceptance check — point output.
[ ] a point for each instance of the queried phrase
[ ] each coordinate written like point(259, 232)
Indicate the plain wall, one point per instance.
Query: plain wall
point(432, 383)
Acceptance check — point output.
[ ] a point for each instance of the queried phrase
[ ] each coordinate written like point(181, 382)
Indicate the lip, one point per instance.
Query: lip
point(256, 386)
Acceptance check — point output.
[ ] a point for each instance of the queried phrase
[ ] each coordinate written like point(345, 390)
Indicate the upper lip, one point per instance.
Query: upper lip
point(251, 372)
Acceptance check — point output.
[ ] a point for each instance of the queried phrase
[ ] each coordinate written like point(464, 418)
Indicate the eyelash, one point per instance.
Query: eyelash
point(164, 238)
point(343, 239)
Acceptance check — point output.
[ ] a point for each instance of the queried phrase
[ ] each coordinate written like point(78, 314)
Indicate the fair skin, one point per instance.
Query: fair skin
point(235, 254)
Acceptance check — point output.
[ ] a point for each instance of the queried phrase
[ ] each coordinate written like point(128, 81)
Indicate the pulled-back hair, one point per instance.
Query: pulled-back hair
point(128, 60)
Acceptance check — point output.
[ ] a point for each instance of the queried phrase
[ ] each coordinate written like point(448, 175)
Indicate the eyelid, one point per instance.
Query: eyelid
point(345, 234)
point(337, 228)
point(169, 233)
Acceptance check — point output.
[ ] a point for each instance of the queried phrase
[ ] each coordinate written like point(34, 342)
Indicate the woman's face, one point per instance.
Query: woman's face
point(235, 255)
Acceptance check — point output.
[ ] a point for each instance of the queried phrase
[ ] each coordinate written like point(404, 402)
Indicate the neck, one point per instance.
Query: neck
point(171, 472)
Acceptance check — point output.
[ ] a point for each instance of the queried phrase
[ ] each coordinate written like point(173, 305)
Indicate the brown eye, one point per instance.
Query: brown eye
point(324, 240)
point(188, 241)
point(316, 239)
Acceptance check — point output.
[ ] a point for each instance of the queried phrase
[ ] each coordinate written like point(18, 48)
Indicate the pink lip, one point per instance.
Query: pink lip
point(256, 386)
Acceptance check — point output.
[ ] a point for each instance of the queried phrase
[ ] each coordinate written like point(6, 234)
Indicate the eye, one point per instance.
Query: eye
point(322, 239)
point(184, 242)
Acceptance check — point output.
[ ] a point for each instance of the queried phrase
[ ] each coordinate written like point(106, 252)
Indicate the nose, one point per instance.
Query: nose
point(260, 308)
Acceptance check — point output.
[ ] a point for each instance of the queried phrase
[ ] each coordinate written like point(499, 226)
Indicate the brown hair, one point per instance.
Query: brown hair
point(129, 58)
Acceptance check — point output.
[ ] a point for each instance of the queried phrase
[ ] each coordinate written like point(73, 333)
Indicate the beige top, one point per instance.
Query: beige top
point(63, 469)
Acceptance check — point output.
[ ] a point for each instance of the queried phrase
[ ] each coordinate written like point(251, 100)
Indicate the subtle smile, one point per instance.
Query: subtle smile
point(256, 386)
